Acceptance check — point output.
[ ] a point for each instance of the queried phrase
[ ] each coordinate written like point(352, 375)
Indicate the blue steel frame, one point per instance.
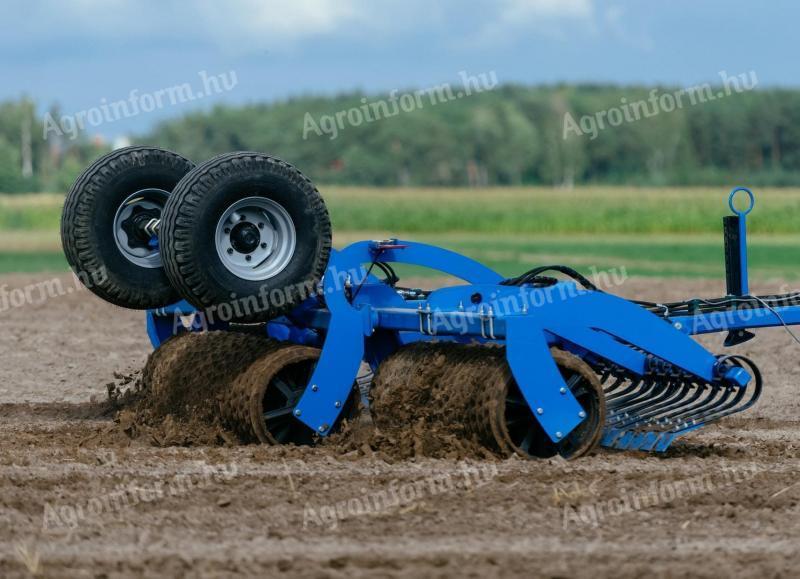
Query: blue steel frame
point(364, 320)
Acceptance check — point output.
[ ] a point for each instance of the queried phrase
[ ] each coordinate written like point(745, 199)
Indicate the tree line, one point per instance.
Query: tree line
point(562, 135)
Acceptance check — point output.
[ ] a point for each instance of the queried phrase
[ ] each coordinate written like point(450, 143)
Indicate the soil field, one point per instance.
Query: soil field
point(79, 498)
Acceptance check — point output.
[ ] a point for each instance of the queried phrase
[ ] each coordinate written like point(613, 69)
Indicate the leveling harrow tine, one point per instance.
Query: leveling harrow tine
point(717, 397)
point(672, 391)
point(641, 407)
point(656, 425)
point(624, 401)
point(687, 394)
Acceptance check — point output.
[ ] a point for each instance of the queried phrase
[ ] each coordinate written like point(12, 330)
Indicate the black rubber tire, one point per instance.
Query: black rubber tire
point(188, 228)
point(88, 218)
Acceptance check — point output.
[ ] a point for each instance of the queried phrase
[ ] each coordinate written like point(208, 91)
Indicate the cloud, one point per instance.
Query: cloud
point(254, 26)
point(514, 10)
point(614, 22)
point(260, 24)
point(233, 25)
point(542, 16)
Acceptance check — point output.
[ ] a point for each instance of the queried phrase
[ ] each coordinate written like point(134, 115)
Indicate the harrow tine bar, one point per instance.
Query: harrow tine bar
point(650, 413)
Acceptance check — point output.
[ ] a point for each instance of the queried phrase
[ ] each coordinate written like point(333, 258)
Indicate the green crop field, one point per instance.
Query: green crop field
point(648, 231)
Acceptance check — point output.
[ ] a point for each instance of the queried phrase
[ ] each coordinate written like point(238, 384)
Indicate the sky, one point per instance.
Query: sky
point(80, 54)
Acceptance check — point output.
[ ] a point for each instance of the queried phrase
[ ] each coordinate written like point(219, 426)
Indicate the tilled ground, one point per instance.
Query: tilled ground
point(75, 501)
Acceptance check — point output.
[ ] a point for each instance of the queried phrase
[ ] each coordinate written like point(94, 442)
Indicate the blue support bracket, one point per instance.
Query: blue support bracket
point(539, 378)
point(163, 323)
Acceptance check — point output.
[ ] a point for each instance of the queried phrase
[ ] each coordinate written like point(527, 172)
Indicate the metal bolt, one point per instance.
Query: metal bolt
point(540, 411)
point(678, 325)
point(261, 226)
point(263, 246)
point(227, 230)
point(248, 257)
point(582, 414)
point(559, 435)
point(321, 429)
point(297, 412)
point(338, 404)
point(314, 387)
point(243, 217)
point(563, 390)
point(230, 251)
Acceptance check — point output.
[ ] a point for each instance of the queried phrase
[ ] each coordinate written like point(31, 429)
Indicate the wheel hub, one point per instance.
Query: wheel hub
point(135, 226)
point(255, 238)
point(133, 237)
point(245, 237)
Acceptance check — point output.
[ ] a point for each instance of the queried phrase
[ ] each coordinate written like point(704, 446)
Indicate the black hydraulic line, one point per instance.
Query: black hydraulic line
point(534, 276)
point(391, 277)
point(703, 306)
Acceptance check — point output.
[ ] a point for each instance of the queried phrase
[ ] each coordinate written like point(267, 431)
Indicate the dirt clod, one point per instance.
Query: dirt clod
point(177, 401)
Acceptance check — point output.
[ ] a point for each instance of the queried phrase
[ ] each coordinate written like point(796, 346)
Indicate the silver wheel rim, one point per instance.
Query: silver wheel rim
point(261, 219)
point(143, 201)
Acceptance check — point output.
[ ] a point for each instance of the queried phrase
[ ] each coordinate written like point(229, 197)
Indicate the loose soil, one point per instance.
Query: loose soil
point(83, 493)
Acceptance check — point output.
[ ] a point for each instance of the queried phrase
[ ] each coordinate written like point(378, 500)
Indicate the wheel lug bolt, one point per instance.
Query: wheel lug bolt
point(230, 251)
point(242, 218)
point(261, 226)
point(263, 246)
point(227, 230)
point(248, 257)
